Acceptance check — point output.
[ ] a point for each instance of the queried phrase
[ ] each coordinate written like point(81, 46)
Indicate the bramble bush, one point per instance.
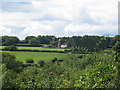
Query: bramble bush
point(29, 60)
point(97, 70)
point(41, 63)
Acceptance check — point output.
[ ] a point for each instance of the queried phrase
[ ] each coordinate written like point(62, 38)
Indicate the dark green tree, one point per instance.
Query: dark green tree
point(28, 38)
point(33, 42)
point(103, 43)
point(10, 40)
point(45, 39)
point(114, 40)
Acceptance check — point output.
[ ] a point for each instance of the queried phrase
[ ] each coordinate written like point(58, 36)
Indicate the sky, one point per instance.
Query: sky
point(58, 17)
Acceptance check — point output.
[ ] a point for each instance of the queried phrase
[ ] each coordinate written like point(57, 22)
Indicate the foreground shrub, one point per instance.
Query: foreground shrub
point(29, 65)
point(97, 70)
point(7, 58)
point(10, 61)
point(117, 47)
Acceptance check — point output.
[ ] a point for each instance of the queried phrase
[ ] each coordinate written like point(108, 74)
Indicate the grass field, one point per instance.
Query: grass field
point(38, 48)
point(1, 47)
point(22, 56)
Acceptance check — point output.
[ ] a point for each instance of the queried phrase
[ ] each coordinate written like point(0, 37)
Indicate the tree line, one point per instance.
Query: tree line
point(92, 43)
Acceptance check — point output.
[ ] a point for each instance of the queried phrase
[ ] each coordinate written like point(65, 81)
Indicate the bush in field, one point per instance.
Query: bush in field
point(67, 50)
point(80, 56)
point(11, 48)
point(25, 65)
point(54, 60)
point(29, 61)
point(80, 50)
point(41, 63)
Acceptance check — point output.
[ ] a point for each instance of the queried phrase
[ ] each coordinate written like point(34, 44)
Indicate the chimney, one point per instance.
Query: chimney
point(59, 44)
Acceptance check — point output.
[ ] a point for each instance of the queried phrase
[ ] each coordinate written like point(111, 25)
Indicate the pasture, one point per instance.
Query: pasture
point(22, 56)
point(37, 48)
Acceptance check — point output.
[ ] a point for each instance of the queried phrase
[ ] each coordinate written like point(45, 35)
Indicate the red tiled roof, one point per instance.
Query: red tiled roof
point(64, 44)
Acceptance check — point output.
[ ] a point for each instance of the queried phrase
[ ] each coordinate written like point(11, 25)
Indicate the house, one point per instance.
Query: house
point(64, 45)
point(45, 46)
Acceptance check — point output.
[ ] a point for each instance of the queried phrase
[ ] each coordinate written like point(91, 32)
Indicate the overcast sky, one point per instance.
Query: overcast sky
point(58, 17)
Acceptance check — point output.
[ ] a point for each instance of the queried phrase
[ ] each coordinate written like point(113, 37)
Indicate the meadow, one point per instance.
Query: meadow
point(36, 48)
point(46, 56)
point(36, 56)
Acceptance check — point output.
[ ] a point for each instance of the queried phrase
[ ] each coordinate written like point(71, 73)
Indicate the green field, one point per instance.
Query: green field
point(46, 56)
point(1, 47)
point(22, 56)
point(38, 48)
